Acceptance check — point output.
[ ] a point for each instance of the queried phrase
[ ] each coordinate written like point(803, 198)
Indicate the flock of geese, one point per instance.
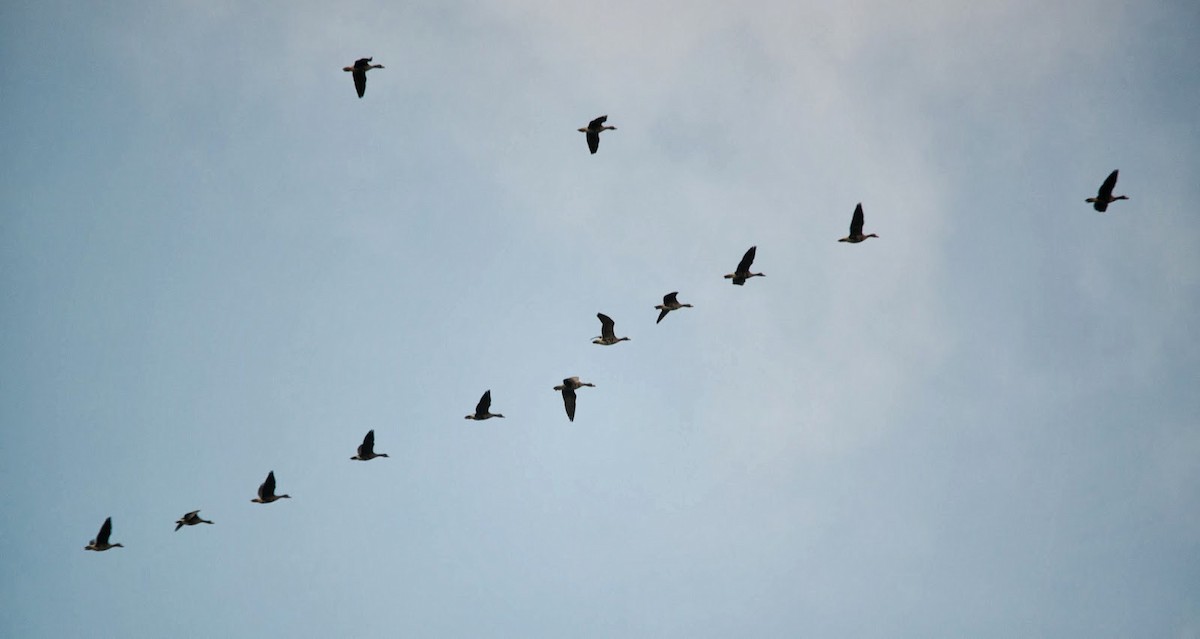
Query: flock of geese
point(607, 337)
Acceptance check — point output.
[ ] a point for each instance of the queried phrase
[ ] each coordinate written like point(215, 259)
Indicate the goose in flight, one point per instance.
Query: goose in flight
point(359, 71)
point(190, 519)
point(669, 304)
point(568, 392)
point(608, 336)
point(593, 130)
point(1104, 196)
point(743, 273)
point(856, 224)
point(100, 543)
point(484, 407)
point(266, 491)
point(366, 450)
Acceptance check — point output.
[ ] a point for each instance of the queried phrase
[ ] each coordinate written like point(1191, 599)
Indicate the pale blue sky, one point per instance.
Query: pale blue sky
point(216, 261)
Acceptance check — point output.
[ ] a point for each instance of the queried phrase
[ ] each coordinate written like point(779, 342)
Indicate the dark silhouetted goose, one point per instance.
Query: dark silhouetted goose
point(366, 450)
point(190, 519)
point(359, 71)
point(593, 130)
point(608, 336)
point(568, 392)
point(856, 224)
point(483, 408)
point(743, 273)
point(669, 304)
point(100, 543)
point(266, 492)
point(1104, 196)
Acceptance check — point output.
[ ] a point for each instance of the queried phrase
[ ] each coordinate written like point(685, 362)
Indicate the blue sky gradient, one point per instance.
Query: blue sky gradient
point(216, 261)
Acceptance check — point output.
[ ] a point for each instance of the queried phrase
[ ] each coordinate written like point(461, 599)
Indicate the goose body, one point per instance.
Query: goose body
point(190, 519)
point(568, 387)
point(359, 72)
point(743, 273)
point(856, 227)
point(266, 491)
point(484, 407)
point(100, 543)
point(593, 130)
point(1104, 196)
point(366, 450)
point(670, 303)
point(608, 335)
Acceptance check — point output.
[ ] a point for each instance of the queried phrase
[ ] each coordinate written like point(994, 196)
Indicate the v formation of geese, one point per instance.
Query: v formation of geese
point(607, 337)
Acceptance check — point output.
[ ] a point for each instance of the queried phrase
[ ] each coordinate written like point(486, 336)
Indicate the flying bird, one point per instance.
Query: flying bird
point(266, 491)
point(568, 392)
point(1104, 196)
point(366, 450)
point(359, 72)
point(100, 543)
point(669, 304)
point(856, 226)
point(608, 336)
point(593, 130)
point(483, 408)
point(743, 273)
point(190, 519)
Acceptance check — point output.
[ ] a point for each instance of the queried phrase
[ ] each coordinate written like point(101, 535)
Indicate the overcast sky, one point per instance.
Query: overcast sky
point(216, 261)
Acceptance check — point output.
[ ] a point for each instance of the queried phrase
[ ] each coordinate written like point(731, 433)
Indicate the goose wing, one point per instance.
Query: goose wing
point(267, 488)
point(360, 79)
point(598, 122)
point(606, 326)
point(1106, 189)
point(368, 445)
point(856, 222)
point(670, 299)
point(747, 259)
point(105, 532)
point(568, 393)
point(485, 403)
point(662, 314)
point(593, 140)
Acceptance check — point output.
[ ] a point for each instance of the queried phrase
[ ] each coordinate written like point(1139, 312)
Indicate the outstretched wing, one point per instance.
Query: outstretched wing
point(568, 394)
point(598, 122)
point(661, 315)
point(485, 403)
point(593, 140)
point(606, 326)
point(669, 299)
point(368, 445)
point(856, 222)
point(1106, 189)
point(360, 80)
point(105, 532)
point(747, 259)
point(268, 486)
